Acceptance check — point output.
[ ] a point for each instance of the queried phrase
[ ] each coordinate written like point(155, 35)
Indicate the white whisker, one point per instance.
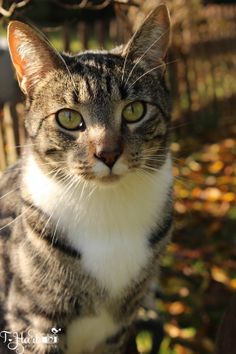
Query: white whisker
point(143, 55)
point(149, 71)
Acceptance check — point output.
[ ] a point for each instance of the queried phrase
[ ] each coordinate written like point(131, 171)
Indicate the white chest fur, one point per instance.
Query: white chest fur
point(84, 334)
point(109, 225)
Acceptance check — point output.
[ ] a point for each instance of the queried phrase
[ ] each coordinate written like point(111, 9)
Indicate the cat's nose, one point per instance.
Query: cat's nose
point(108, 156)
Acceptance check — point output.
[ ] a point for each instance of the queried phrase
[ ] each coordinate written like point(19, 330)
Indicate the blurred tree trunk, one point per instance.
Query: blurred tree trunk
point(226, 337)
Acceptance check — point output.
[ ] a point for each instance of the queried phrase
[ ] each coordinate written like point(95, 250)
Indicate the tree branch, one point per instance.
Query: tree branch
point(12, 8)
point(88, 4)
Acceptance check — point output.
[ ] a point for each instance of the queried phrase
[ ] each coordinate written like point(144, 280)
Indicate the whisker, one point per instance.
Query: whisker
point(147, 167)
point(173, 127)
point(70, 182)
point(20, 146)
point(159, 158)
point(45, 39)
point(23, 167)
point(144, 174)
point(12, 221)
point(143, 55)
point(126, 56)
point(12, 191)
point(19, 184)
point(149, 71)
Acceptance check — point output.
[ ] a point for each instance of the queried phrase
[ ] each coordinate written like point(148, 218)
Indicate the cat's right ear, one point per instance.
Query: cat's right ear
point(31, 55)
point(150, 42)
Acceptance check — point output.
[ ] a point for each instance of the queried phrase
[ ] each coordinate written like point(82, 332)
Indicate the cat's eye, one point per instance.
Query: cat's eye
point(134, 111)
point(69, 119)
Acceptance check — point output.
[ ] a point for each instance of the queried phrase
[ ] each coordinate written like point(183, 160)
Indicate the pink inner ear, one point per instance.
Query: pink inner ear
point(19, 72)
point(18, 62)
point(32, 57)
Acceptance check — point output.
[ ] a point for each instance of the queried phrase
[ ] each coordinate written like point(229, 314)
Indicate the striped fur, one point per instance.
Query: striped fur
point(80, 240)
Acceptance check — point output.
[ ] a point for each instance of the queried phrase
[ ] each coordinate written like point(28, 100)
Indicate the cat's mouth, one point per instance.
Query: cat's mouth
point(108, 175)
point(108, 179)
point(104, 180)
point(98, 178)
point(101, 174)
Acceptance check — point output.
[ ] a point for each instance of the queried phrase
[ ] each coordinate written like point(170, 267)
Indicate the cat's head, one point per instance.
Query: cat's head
point(96, 115)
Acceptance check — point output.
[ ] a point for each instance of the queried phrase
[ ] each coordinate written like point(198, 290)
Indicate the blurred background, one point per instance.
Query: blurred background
point(198, 274)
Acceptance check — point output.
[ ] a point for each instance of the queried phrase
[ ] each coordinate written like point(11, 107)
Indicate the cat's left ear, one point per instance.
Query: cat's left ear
point(31, 55)
point(150, 42)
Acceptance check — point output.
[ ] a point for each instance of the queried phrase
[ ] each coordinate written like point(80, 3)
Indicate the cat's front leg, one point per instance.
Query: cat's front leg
point(46, 351)
point(118, 344)
point(28, 331)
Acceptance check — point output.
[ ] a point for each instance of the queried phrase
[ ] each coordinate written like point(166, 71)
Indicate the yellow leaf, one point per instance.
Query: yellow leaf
point(175, 147)
point(229, 143)
point(196, 192)
point(216, 167)
point(229, 197)
point(172, 330)
point(183, 193)
point(194, 166)
point(212, 194)
point(219, 275)
point(233, 283)
point(214, 148)
point(180, 208)
point(176, 308)
point(175, 171)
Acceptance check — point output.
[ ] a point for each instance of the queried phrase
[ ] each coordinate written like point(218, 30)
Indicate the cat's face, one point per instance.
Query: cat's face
point(97, 115)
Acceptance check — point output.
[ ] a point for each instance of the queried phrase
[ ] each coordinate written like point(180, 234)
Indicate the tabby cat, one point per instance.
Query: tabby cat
point(87, 211)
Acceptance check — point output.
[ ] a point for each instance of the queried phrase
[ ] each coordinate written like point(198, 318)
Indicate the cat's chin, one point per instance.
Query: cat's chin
point(107, 181)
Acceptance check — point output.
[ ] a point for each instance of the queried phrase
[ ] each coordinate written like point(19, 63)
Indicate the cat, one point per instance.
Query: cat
point(86, 213)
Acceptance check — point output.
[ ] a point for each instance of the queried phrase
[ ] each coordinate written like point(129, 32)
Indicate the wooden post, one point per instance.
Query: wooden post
point(3, 162)
point(226, 339)
point(66, 37)
point(83, 34)
point(15, 122)
point(99, 31)
point(9, 134)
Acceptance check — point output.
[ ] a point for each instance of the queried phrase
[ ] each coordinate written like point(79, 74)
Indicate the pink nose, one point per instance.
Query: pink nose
point(109, 157)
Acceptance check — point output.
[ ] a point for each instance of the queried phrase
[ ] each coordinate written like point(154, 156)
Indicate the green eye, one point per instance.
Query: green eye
point(134, 111)
point(69, 119)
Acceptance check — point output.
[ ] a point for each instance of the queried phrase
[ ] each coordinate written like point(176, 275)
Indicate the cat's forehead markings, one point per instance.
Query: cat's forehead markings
point(91, 63)
point(87, 89)
point(102, 88)
point(102, 62)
